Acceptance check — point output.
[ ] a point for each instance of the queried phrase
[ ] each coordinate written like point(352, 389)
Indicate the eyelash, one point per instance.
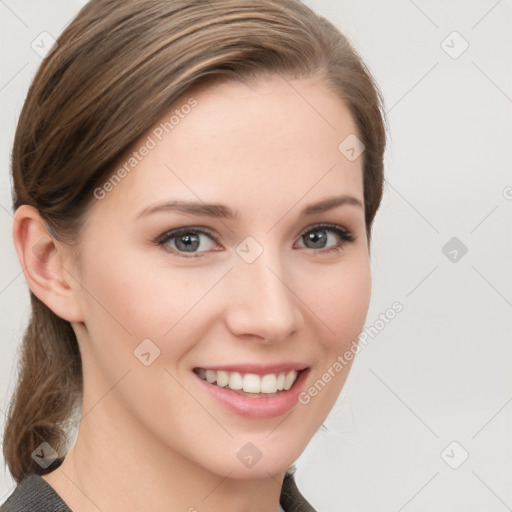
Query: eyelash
point(345, 236)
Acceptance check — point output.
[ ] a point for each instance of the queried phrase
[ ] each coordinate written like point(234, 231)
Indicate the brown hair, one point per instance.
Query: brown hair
point(116, 69)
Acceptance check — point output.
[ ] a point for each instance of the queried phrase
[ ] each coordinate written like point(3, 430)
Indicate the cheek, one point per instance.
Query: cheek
point(343, 315)
point(340, 303)
point(134, 308)
point(126, 300)
point(129, 298)
point(340, 300)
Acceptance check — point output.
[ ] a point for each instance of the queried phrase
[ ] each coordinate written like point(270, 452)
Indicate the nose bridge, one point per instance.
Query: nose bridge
point(262, 303)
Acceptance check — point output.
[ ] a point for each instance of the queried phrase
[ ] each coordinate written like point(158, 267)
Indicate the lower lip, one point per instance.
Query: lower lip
point(264, 407)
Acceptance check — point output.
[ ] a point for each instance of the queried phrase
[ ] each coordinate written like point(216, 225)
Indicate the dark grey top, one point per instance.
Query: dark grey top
point(34, 494)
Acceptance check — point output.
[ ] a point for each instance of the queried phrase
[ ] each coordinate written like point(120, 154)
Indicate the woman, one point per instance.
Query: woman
point(194, 190)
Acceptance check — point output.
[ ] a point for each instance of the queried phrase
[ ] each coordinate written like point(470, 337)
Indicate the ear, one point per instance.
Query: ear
point(42, 259)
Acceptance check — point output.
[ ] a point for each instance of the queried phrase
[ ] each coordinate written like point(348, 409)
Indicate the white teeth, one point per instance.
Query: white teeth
point(250, 382)
point(222, 378)
point(269, 383)
point(280, 381)
point(289, 380)
point(235, 381)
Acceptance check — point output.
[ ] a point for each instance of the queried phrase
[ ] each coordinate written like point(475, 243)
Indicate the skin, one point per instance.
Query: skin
point(150, 438)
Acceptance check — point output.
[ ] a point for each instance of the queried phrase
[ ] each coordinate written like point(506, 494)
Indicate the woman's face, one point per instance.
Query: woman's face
point(249, 291)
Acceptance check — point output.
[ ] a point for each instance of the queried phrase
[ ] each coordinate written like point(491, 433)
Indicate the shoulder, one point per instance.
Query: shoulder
point(34, 493)
point(291, 499)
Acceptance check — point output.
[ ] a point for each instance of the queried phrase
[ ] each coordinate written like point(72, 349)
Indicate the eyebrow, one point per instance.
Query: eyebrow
point(221, 211)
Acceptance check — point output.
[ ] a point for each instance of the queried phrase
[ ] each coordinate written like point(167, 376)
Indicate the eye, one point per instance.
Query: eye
point(319, 238)
point(187, 240)
point(323, 238)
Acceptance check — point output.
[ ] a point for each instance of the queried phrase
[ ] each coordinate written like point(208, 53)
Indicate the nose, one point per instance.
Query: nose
point(261, 303)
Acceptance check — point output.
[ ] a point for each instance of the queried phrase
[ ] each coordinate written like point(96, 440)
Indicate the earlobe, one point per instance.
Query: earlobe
point(42, 259)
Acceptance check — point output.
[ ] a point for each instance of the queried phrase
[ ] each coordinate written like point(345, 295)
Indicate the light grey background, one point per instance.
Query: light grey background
point(440, 370)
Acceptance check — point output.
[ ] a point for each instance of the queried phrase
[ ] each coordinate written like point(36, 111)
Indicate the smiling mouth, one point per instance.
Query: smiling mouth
point(250, 384)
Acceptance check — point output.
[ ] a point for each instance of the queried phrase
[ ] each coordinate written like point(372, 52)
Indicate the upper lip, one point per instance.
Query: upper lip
point(258, 369)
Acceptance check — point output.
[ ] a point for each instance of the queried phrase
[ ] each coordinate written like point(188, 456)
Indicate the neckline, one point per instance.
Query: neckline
point(33, 491)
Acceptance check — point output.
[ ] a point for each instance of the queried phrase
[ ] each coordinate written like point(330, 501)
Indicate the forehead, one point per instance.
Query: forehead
point(270, 143)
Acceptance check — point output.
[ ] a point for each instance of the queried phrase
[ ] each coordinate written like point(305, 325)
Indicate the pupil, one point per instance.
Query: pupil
point(188, 242)
point(319, 239)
